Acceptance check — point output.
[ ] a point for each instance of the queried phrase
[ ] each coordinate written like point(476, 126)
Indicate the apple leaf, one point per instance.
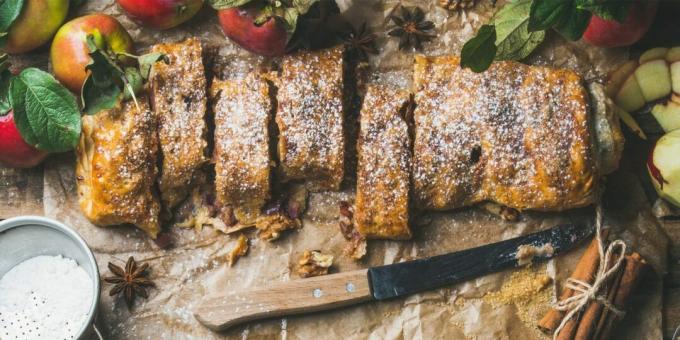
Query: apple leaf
point(134, 82)
point(609, 10)
point(479, 52)
point(102, 88)
point(45, 112)
point(225, 4)
point(9, 12)
point(513, 39)
point(5, 77)
point(146, 61)
point(544, 14)
point(574, 24)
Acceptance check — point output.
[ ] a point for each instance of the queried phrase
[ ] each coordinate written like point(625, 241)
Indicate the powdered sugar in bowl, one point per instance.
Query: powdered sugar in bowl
point(49, 281)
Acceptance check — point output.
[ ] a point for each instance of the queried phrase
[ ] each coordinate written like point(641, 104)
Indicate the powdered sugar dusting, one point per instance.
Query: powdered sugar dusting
point(242, 165)
point(384, 165)
point(310, 117)
point(517, 135)
point(179, 101)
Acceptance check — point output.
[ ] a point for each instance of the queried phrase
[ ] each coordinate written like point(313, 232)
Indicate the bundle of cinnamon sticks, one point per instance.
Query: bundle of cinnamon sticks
point(596, 321)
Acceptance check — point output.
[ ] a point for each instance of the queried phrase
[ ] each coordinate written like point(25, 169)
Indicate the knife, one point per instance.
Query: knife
point(276, 299)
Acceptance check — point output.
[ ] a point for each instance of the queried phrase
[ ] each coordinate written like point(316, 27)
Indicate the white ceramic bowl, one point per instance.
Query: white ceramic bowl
point(22, 238)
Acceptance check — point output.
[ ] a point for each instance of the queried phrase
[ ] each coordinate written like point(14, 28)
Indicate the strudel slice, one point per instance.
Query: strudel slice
point(116, 167)
point(310, 118)
point(179, 101)
point(382, 199)
point(517, 135)
point(243, 111)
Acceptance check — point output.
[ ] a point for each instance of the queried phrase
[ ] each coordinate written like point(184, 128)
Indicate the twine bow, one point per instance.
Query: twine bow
point(585, 292)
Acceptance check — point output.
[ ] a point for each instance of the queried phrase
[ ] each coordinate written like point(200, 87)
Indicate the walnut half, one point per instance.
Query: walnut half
point(314, 263)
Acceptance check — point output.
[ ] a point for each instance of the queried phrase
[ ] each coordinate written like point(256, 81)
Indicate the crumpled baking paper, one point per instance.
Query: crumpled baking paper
point(504, 305)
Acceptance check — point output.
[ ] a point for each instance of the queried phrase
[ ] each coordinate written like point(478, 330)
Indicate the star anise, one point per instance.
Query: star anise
point(360, 43)
point(131, 281)
point(411, 28)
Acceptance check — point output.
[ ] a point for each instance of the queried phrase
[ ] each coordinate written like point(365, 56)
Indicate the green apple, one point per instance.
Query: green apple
point(668, 116)
point(35, 26)
point(663, 166)
point(616, 78)
point(653, 54)
point(654, 78)
point(629, 96)
point(673, 55)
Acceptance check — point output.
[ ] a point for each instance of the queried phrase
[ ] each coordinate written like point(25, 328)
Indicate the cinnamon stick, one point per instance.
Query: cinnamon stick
point(635, 266)
point(594, 311)
point(585, 271)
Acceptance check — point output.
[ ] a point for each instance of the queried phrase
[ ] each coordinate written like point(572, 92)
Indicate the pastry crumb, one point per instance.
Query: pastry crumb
point(314, 263)
point(239, 251)
point(357, 246)
point(526, 253)
point(271, 226)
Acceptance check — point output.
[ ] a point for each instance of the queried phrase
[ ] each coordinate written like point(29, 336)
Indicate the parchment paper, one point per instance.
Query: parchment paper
point(499, 306)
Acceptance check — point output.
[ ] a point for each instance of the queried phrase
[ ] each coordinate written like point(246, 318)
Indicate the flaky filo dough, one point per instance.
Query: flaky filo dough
point(517, 135)
point(116, 167)
point(310, 118)
point(243, 112)
point(179, 100)
point(384, 165)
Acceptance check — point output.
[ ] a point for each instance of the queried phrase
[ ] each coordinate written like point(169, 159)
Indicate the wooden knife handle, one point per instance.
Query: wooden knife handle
point(221, 311)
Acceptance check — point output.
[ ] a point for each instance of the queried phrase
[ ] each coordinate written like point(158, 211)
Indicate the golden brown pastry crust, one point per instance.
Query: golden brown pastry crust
point(310, 118)
point(116, 167)
point(243, 111)
point(382, 200)
point(518, 135)
point(179, 101)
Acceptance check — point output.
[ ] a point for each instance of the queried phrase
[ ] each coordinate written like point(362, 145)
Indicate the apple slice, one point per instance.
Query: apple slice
point(653, 54)
point(664, 167)
point(675, 98)
point(654, 78)
point(629, 97)
point(673, 55)
point(668, 115)
point(619, 76)
point(630, 122)
point(675, 76)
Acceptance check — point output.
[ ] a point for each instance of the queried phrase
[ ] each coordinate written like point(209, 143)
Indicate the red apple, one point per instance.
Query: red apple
point(70, 54)
point(610, 33)
point(664, 167)
point(160, 14)
point(268, 39)
point(14, 151)
point(36, 24)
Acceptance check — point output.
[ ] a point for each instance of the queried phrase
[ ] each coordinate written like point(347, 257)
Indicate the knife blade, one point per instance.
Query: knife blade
point(224, 310)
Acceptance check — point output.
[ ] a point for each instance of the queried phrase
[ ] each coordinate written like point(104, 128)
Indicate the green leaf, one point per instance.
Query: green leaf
point(96, 98)
point(146, 61)
point(103, 87)
point(224, 4)
point(544, 14)
point(5, 77)
point(45, 112)
point(513, 39)
point(9, 12)
point(134, 82)
point(606, 9)
point(574, 24)
point(478, 53)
